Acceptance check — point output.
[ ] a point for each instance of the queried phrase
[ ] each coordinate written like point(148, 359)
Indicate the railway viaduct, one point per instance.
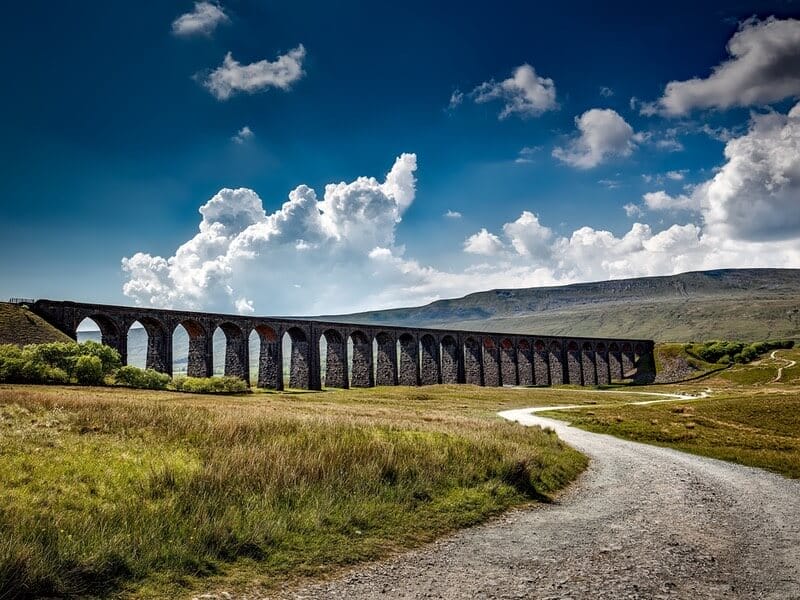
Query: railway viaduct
point(381, 355)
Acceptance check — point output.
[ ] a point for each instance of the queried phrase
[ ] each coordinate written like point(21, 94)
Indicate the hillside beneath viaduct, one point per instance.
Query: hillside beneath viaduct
point(747, 304)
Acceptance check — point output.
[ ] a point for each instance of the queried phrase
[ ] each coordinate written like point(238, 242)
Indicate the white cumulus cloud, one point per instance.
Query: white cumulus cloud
point(661, 200)
point(240, 251)
point(763, 68)
point(484, 243)
point(525, 93)
point(203, 20)
point(602, 134)
point(233, 77)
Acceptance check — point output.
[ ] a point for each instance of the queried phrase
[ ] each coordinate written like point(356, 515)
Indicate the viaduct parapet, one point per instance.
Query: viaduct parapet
point(381, 355)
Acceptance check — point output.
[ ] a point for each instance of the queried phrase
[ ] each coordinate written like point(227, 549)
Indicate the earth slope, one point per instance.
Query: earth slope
point(747, 304)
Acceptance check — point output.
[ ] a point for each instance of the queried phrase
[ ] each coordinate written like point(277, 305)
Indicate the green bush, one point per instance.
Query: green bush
point(141, 378)
point(210, 385)
point(57, 362)
point(725, 352)
point(88, 370)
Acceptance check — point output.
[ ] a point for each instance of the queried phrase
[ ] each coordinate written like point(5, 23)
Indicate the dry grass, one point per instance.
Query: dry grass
point(123, 492)
point(751, 419)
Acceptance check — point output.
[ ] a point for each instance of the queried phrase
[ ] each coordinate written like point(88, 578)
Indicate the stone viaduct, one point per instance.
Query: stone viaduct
point(381, 355)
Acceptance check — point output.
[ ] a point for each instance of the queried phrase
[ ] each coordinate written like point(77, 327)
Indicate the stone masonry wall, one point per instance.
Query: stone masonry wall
point(408, 371)
point(473, 369)
point(478, 359)
point(449, 360)
point(429, 361)
point(524, 363)
point(386, 367)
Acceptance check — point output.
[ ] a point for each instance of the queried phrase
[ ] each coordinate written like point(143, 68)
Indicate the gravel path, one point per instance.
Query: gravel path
point(642, 522)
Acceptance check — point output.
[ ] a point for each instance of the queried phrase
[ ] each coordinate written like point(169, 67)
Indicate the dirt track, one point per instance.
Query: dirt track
point(643, 522)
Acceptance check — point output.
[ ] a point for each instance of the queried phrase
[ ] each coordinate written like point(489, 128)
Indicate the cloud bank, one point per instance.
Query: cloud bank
point(339, 253)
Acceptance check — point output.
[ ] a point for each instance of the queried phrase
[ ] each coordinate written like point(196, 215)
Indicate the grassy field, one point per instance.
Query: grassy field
point(110, 492)
point(751, 418)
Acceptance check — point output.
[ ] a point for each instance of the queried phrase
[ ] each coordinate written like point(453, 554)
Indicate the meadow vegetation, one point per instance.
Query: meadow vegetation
point(752, 416)
point(119, 492)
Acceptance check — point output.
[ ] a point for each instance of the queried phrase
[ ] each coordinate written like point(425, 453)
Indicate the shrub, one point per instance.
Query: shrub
point(88, 370)
point(210, 385)
point(141, 378)
point(721, 351)
point(57, 362)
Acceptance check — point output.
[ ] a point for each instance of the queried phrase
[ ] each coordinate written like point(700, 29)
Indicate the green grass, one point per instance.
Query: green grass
point(750, 418)
point(111, 492)
point(20, 326)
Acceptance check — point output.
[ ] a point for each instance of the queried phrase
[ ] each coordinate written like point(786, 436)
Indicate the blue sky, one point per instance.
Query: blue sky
point(550, 130)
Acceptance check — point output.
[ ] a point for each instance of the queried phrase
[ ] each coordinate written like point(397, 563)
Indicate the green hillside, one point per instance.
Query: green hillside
point(20, 326)
point(746, 304)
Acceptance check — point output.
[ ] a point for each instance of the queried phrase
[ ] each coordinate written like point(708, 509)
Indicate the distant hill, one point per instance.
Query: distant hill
point(20, 326)
point(747, 304)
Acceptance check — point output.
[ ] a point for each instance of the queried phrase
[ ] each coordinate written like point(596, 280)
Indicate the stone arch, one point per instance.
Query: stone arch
point(159, 344)
point(429, 360)
point(541, 363)
point(192, 343)
point(524, 363)
point(508, 362)
point(449, 354)
point(136, 343)
point(361, 367)
point(408, 363)
point(299, 359)
point(473, 361)
point(237, 351)
point(110, 333)
point(615, 361)
point(385, 359)
point(601, 364)
point(491, 363)
point(588, 365)
point(555, 358)
point(270, 357)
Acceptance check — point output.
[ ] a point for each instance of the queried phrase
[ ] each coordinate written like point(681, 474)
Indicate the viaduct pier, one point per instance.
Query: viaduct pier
point(379, 355)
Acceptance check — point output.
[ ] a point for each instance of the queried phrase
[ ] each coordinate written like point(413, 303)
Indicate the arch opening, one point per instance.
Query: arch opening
point(137, 341)
point(231, 351)
point(101, 328)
